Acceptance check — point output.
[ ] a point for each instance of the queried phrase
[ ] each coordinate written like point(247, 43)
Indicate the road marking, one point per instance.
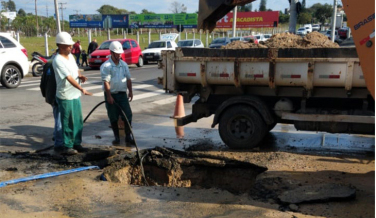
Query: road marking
point(165, 101)
point(99, 94)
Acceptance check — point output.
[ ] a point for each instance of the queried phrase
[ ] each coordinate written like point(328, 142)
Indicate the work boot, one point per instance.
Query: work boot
point(79, 148)
point(129, 139)
point(115, 129)
point(69, 151)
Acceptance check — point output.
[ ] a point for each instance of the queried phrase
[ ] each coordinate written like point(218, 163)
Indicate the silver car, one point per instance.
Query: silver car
point(191, 43)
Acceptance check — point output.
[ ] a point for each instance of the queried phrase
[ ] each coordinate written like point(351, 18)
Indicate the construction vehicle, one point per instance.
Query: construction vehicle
point(249, 91)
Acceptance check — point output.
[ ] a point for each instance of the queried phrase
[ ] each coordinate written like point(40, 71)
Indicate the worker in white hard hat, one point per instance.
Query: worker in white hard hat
point(116, 82)
point(68, 93)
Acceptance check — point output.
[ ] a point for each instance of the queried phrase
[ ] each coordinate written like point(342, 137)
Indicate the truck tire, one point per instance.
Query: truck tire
point(242, 127)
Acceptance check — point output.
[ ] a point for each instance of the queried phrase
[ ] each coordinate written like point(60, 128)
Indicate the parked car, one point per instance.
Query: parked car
point(14, 64)
point(343, 32)
point(260, 37)
point(336, 36)
point(219, 42)
point(233, 39)
point(190, 43)
point(250, 37)
point(308, 28)
point(301, 31)
point(316, 27)
point(131, 55)
point(153, 51)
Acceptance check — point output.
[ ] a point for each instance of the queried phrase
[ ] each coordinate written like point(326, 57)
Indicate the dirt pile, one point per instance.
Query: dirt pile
point(287, 40)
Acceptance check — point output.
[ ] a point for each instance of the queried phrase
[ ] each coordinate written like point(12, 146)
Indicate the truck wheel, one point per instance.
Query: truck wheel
point(241, 127)
point(10, 77)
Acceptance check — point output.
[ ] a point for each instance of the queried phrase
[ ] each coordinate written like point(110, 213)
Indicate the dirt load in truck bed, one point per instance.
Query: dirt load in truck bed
point(288, 40)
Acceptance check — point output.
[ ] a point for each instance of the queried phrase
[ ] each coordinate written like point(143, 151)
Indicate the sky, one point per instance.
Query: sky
point(46, 7)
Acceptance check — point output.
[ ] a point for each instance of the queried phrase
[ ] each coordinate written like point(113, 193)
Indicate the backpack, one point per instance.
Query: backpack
point(48, 83)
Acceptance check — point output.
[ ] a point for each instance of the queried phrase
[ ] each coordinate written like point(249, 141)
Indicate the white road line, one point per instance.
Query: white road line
point(30, 81)
point(99, 94)
point(27, 85)
point(165, 101)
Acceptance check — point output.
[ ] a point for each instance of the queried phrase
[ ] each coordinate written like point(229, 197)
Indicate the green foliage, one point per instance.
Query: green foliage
point(245, 8)
point(283, 18)
point(144, 11)
point(11, 6)
point(262, 5)
point(323, 12)
point(108, 9)
point(21, 13)
point(304, 18)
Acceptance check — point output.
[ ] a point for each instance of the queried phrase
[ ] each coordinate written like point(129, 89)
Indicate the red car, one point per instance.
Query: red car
point(248, 38)
point(131, 55)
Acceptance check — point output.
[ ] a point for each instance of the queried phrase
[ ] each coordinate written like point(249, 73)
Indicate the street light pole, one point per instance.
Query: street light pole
point(57, 16)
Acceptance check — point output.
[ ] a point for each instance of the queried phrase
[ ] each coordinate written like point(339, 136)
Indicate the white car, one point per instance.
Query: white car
point(190, 43)
point(267, 36)
point(315, 27)
point(260, 37)
point(14, 64)
point(153, 51)
point(336, 36)
point(301, 31)
point(308, 28)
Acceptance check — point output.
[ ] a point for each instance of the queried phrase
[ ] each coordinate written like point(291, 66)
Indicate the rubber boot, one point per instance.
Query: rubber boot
point(128, 137)
point(115, 129)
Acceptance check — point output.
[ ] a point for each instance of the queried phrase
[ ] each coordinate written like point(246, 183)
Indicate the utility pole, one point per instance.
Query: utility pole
point(293, 16)
point(57, 17)
point(234, 21)
point(36, 16)
point(334, 16)
point(62, 12)
point(47, 10)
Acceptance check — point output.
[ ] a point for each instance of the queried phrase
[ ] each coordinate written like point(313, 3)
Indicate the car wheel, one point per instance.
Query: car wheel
point(10, 77)
point(242, 127)
point(37, 69)
point(140, 62)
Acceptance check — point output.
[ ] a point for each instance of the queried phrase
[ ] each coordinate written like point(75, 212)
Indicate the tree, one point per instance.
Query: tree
point(323, 12)
point(245, 8)
point(303, 5)
point(283, 18)
point(262, 5)
point(108, 9)
point(11, 6)
point(304, 18)
point(178, 8)
point(21, 13)
point(144, 11)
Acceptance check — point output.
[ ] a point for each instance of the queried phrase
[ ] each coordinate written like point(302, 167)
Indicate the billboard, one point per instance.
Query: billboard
point(98, 21)
point(250, 19)
point(162, 20)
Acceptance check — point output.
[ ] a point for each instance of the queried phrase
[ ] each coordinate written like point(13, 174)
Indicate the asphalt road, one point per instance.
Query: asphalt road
point(26, 121)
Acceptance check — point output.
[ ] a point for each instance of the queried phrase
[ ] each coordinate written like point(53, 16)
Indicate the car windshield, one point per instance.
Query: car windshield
point(157, 45)
point(185, 43)
point(300, 29)
point(234, 39)
point(105, 45)
point(219, 40)
point(258, 36)
point(267, 36)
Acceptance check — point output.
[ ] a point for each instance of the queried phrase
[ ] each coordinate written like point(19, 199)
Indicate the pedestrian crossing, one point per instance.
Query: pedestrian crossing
point(145, 92)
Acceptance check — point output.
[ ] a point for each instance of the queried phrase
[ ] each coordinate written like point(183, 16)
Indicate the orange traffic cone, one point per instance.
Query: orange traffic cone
point(179, 130)
point(179, 107)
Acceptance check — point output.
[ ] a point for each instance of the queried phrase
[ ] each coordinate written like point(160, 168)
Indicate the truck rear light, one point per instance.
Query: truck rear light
point(24, 51)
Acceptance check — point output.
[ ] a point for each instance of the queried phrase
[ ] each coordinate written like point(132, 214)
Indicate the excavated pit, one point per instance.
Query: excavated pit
point(171, 168)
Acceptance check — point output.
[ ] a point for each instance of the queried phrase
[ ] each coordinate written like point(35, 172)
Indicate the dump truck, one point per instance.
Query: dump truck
point(249, 91)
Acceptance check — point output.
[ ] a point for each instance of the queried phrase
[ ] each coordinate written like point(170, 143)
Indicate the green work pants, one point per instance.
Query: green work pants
point(71, 121)
point(113, 111)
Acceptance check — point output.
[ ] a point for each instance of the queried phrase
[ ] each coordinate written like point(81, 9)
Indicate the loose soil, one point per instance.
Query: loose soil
point(287, 40)
point(84, 194)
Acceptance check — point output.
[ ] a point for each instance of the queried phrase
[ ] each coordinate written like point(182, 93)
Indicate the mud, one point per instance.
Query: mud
point(171, 168)
point(287, 40)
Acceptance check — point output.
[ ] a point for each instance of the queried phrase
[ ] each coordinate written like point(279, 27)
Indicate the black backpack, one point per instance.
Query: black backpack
point(48, 83)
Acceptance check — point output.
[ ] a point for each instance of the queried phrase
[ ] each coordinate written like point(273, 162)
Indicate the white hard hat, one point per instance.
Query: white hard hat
point(64, 38)
point(116, 47)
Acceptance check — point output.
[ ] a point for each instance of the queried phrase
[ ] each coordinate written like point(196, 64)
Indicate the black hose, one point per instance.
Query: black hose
point(130, 128)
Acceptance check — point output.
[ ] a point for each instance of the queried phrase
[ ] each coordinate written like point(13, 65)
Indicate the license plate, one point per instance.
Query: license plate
point(97, 61)
point(149, 56)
